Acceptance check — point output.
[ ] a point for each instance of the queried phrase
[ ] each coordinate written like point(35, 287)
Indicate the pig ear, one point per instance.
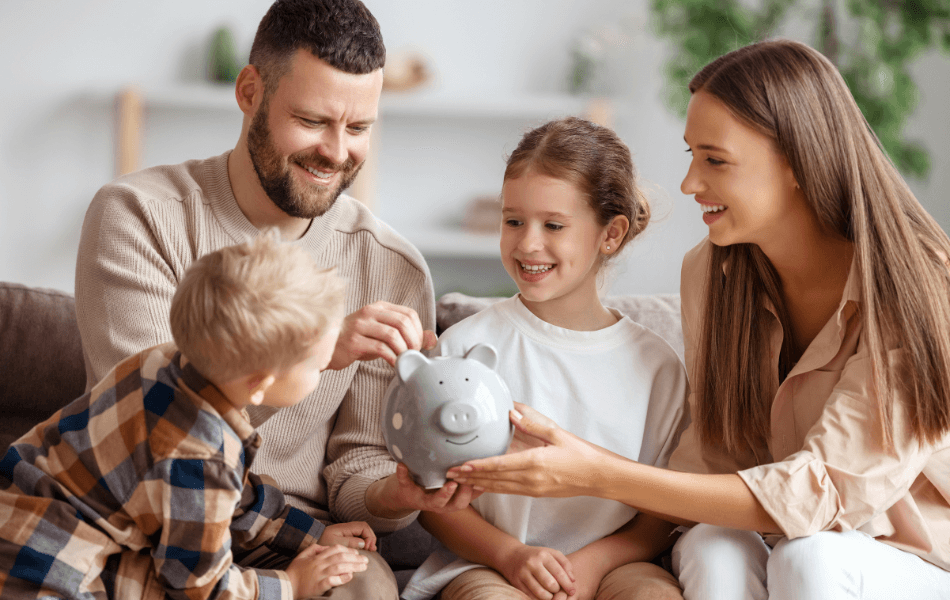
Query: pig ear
point(484, 354)
point(408, 362)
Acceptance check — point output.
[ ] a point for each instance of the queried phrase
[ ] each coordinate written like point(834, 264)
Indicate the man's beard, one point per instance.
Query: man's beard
point(273, 171)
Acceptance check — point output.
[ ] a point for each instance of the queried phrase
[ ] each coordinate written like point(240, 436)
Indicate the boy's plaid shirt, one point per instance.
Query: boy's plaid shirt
point(153, 461)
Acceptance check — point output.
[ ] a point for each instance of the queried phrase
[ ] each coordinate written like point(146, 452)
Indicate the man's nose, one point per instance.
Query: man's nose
point(333, 146)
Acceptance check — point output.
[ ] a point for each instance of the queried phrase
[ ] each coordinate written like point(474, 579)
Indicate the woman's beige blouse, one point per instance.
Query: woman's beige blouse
point(831, 471)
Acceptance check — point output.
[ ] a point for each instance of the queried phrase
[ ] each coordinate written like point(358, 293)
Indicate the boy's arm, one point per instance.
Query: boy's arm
point(264, 517)
point(641, 539)
point(187, 507)
point(528, 568)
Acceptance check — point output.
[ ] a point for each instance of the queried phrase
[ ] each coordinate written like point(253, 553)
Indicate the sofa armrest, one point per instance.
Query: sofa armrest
point(41, 354)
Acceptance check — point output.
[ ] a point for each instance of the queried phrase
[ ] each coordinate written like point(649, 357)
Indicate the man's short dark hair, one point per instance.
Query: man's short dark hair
point(342, 33)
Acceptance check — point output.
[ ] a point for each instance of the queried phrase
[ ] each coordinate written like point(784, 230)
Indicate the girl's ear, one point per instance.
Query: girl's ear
point(616, 231)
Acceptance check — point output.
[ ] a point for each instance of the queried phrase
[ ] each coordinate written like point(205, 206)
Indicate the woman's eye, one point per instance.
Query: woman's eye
point(554, 226)
point(715, 161)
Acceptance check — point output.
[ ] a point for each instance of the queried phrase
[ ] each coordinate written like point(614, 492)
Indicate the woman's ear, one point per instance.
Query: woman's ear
point(257, 386)
point(616, 231)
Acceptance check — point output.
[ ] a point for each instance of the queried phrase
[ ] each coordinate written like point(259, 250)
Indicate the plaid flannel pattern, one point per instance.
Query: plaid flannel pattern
point(141, 488)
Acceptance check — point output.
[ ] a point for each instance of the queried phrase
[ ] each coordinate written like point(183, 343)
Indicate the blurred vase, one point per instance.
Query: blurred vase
point(223, 63)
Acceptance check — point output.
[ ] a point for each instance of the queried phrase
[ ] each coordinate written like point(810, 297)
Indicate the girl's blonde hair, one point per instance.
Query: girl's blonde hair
point(257, 305)
point(592, 158)
point(794, 95)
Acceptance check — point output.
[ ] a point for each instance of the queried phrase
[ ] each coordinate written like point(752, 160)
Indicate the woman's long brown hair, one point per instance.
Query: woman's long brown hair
point(795, 96)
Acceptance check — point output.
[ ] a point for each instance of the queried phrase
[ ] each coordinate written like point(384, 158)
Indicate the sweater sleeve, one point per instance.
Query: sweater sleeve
point(356, 452)
point(124, 281)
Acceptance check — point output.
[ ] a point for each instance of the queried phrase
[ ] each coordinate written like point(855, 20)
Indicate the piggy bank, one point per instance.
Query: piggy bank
point(441, 412)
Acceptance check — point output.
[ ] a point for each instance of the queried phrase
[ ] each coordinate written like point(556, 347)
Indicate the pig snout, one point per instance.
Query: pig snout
point(458, 418)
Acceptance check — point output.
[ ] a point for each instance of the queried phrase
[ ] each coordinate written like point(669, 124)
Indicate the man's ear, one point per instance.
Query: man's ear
point(249, 89)
point(257, 385)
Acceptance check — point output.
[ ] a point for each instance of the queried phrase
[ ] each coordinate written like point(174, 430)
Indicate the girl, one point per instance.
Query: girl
point(816, 318)
point(570, 203)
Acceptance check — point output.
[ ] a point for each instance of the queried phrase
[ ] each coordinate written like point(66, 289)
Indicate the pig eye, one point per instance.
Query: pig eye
point(440, 383)
point(466, 379)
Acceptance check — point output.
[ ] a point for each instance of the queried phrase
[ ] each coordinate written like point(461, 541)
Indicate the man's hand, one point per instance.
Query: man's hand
point(379, 330)
point(319, 568)
point(356, 534)
point(398, 496)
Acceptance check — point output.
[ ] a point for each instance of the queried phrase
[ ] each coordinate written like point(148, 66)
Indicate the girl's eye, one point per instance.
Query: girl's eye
point(512, 222)
point(554, 226)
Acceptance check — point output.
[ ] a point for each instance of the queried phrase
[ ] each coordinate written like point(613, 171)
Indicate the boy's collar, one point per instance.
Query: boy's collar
point(195, 383)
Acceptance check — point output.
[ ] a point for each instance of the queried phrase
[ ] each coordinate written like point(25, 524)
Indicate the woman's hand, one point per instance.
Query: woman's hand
point(550, 462)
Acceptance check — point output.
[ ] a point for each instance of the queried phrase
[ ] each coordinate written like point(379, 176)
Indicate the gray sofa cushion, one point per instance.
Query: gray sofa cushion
point(41, 361)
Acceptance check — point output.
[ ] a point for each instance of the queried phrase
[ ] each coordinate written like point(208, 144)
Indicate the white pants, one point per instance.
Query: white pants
point(715, 563)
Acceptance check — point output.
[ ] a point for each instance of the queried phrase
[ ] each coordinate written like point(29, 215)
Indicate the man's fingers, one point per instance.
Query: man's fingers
point(400, 320)
point(429, 340)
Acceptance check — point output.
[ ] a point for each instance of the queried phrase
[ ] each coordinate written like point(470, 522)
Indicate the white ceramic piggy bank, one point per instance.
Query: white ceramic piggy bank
point(441, 412)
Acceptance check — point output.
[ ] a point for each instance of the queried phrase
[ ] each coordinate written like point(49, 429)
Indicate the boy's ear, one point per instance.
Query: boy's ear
point(616, 231)
point(258, 385)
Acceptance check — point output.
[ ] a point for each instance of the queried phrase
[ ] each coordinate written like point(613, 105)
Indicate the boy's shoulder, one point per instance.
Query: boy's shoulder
point(174, 418)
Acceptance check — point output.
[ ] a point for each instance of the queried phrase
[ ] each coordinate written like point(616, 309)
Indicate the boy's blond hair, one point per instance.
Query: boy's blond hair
point(260, 305)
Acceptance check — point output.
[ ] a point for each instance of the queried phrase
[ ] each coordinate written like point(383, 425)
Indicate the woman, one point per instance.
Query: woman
point(816, 318)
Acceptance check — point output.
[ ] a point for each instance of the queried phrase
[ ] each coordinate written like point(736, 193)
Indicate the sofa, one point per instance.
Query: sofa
point(42, 369)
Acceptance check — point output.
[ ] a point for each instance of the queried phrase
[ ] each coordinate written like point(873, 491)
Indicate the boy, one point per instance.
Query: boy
point(141, 488)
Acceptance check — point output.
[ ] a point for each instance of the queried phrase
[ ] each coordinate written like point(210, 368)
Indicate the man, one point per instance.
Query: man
point(310, 96)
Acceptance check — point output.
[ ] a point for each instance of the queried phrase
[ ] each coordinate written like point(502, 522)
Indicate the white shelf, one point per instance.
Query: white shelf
point(448, 242)
point(396, 104)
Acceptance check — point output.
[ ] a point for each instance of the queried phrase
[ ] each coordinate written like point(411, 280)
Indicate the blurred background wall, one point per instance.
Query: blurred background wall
point(492, 63)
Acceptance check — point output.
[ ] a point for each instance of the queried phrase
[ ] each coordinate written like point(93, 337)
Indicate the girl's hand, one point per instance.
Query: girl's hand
point(319, 568)
point(589, 575)
point(539, 572)
point(553, 463)
point(356, 534)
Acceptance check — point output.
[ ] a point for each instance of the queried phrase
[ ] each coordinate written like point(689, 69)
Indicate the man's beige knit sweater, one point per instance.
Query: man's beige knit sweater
point(140, 234)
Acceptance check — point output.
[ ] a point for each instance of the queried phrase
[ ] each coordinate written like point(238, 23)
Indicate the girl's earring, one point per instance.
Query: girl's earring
point(608, 247)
